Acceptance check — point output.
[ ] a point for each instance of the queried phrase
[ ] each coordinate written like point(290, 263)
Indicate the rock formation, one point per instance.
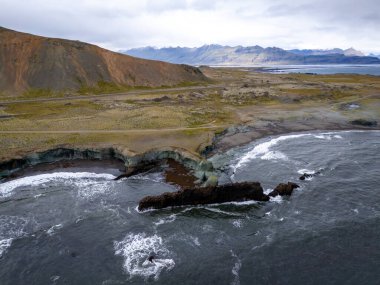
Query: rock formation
point(283, 189)
point(237, 192)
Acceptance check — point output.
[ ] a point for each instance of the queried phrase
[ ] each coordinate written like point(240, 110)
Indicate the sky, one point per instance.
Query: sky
point(125, 24)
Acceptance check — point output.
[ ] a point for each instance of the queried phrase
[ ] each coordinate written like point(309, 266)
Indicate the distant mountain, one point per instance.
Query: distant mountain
point(347, 52)
point(252, 55)
point(374, 55)
point(28, 61)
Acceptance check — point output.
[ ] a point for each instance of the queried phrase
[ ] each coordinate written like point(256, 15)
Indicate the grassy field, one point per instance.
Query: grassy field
point(185, 119)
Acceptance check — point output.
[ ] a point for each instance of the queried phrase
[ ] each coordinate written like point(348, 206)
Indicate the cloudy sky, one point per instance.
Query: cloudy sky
point(123, 24)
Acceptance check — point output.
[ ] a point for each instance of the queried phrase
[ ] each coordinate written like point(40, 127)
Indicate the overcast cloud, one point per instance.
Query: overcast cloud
point(123, 24)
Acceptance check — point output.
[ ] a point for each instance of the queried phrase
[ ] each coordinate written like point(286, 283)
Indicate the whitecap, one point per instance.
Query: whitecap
point(54, 278)
point(237, 223)
point(11, 227)
point(323, 137)
point(51, 231)
point(79, 178)
point(4, 245)
point(136, 248)
point(196, 241)
point(166, 220)
point(262, 150)
point(278, 199)
point(209, 207)
point(307, 171)
point(274, 155)
point(216, 210)
point(235, 269)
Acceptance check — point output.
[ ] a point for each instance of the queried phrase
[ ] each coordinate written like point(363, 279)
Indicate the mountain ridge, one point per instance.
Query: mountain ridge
point(250, 55)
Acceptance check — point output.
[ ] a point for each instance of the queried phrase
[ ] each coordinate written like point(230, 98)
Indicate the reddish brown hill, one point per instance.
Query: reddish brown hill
point(29, 61)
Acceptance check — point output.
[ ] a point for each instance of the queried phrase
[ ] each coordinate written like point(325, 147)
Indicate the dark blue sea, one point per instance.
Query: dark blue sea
point(71, 226)
point(371, 69)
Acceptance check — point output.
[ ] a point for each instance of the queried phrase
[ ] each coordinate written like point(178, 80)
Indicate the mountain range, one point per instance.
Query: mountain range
point(251, 55)
point(28, 61)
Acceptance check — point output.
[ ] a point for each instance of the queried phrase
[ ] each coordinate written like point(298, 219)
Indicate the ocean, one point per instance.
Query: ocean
point(79, 226)
point(370, 69)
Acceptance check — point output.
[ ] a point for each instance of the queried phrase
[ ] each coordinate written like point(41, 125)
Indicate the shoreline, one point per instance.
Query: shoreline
point(178, 168)
point(242, 135)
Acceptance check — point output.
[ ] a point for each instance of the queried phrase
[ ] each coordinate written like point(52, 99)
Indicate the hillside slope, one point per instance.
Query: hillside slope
point(29, 61)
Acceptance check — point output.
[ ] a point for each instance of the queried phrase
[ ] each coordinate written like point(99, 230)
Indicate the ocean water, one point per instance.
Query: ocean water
point(83, 227)
point(371, 69)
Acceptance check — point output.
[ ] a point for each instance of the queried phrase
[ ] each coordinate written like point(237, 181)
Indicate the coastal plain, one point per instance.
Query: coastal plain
point(236, 106)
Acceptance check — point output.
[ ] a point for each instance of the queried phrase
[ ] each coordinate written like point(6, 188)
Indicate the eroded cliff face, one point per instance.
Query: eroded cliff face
point(134, 163)
point(28, 61)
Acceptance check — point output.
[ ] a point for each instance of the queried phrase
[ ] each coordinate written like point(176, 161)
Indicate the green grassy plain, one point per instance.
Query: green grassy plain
point(186, 119)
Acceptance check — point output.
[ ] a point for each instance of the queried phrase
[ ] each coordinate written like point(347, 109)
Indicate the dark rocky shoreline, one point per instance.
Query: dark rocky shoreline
point(182, 166)
point(195, 176)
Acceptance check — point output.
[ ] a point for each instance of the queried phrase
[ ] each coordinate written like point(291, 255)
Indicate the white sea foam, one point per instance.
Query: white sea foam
point(51, 231)
point(216, 210)
point(11, 227)
point(278, 199)
point(323, 137)
point(155, 177)
point(54, 278)
point(274, 155)
point(79, 178)
point(237, 223)
point(196, 241)
point(235, 269)
point(210, 207)
point(263, 151)
point(136, 248)
point(4, 244)
point(307, 171)
point(166, 220)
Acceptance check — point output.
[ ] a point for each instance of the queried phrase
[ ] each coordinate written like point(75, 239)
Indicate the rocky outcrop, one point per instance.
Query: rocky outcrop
point(206, 195)
point(309, 175)
point(283, 189)
point(364, 123)
point(134, 163)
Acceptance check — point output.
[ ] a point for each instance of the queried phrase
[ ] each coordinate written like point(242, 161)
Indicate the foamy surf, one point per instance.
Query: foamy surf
point(166, 220)
point(263, 151)
point(4, 245)
point(235, 269)
point(51, 231)
point(136, 248)
point(11, 227)
point(83, 178)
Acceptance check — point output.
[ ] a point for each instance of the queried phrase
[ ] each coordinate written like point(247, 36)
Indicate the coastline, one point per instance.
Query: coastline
point(179, 168)
point(188, 125)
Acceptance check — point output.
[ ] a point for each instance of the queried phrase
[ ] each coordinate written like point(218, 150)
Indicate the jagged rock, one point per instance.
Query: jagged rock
point(305, 175)
point(206, 195)
point(283, 189)
point(309, 175)
point(364, 122)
